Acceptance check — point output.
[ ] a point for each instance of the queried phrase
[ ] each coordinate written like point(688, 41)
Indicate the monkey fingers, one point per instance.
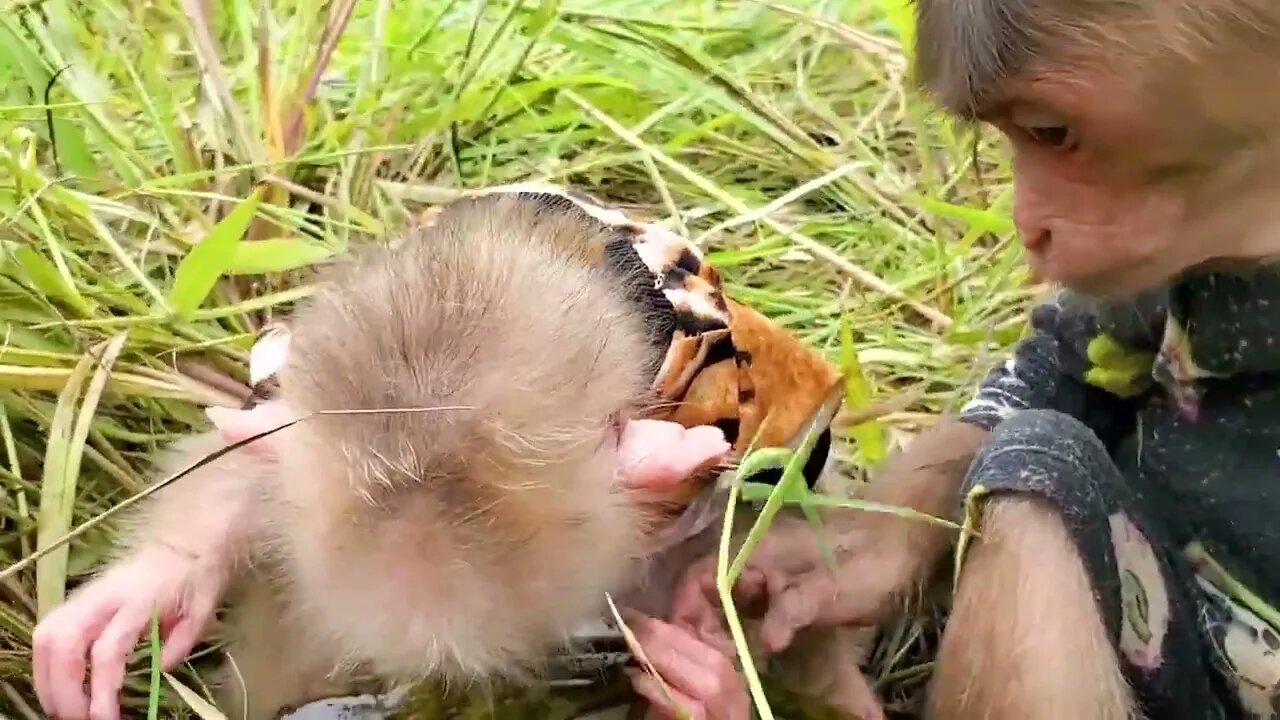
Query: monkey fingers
point(789, 550)
point(790, 604)
point(790, 585)
point(696, 602)
point(668, 703)
point(96, 629)
point(795, 605)
point(109, 655)
point(60, 649)
point(702, 680)
point(182, 623)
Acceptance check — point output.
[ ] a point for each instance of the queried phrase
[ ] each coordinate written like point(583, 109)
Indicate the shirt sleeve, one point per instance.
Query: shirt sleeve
point(1083, 358)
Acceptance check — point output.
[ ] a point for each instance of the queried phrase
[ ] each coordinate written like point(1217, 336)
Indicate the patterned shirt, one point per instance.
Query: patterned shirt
point(1183, 386)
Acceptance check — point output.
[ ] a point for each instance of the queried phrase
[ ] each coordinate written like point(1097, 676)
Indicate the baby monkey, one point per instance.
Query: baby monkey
point(490, 477)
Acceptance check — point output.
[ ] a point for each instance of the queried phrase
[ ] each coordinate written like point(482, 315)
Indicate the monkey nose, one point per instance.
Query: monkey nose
point(1036, 239)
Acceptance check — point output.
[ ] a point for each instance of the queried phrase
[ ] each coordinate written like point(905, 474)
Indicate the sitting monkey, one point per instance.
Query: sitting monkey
point(1121, 467)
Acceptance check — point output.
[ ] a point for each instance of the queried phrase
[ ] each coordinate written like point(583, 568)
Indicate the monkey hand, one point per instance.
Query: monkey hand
point(100, 624)
point(880, 559)
point(788, 582)
point(702, 682)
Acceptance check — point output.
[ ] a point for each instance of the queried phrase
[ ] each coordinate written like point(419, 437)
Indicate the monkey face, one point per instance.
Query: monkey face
point(1088, 215)
point(1143, 144)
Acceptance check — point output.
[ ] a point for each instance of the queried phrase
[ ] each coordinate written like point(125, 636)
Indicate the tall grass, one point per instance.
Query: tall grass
point(170, 169)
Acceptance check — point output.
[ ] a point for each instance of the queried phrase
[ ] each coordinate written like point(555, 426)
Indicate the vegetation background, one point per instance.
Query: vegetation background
point(169, 169)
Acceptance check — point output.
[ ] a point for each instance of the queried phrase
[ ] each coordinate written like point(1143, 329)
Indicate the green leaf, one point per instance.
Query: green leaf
point(991, 221)
point(210, 258)
point(901, 16)
point(45, 278)
point(16, 49)
point(153, 695)
point(275, 255)
point(869, 436)
point(757, 461)
point(73, 149)
point(792, 485)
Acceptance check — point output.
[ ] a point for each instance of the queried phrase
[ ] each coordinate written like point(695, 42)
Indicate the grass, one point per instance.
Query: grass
point(170, 169)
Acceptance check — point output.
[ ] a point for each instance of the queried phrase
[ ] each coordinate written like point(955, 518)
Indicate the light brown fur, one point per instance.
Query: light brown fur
point(462, 543)
point(227, 492)
point(1025, 639)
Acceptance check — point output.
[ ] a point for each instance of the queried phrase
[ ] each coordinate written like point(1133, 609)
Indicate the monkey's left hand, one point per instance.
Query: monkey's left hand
point(702, 681)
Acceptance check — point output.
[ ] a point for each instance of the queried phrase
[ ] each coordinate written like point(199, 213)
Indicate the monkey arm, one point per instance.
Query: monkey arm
point(179, 552)
point(211, 517)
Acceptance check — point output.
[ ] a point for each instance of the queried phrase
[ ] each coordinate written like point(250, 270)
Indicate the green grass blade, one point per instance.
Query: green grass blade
point(870, 435)
point(67, 436)
point(276, 255)
point(210, 258)
point(153, 690)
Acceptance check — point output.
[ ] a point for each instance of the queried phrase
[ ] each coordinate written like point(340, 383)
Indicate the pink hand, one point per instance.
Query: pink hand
point(702, 681)
point(97, 628)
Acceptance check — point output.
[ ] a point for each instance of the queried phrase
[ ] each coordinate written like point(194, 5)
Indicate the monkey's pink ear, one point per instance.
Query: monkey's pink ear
point(237, 425)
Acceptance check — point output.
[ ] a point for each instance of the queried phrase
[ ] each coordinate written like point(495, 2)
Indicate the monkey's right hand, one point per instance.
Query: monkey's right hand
point(880, 559)
point(790, 586)
point(102, 622)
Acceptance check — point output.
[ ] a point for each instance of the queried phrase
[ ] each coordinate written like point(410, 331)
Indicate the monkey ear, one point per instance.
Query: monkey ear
point(237, 425)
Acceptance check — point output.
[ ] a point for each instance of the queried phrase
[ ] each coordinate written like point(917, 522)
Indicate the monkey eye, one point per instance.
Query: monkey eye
point(1045, 129)
point(1055, 137)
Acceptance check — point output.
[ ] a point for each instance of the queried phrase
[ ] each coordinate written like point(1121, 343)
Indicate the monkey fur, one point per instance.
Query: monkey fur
point(465, 528)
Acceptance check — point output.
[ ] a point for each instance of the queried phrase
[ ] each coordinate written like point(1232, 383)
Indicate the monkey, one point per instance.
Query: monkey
point(462, 540)
point(528, 389)
point(1115, 474)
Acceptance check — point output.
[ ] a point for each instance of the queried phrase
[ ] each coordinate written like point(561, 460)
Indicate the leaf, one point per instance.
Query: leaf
point(870, 435)
point(210, 258)
point(791, 485)
point(62, 470)
point(276, 255)
point(757, 492)
point(990, 221)
point(906, 513)
point(902, 17)
point(15, 47)
point(73, 149)
point(201, 707)
point(44, 276)
point(763, 459)
point(153, 695)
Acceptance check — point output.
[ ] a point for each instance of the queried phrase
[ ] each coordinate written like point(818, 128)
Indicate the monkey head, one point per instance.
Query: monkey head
point(1143, 137)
